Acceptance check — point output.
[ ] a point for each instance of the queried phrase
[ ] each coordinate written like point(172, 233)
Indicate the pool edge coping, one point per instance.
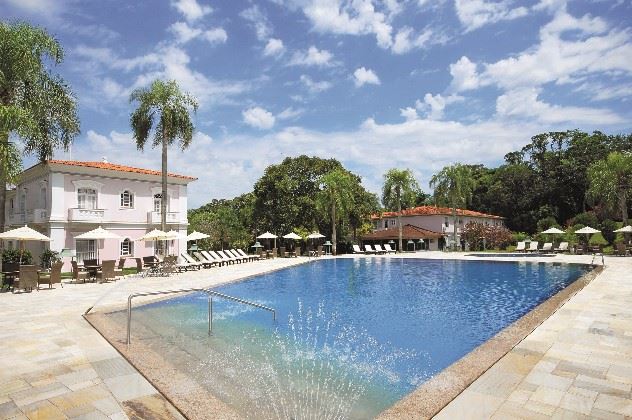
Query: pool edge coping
point(434, 395)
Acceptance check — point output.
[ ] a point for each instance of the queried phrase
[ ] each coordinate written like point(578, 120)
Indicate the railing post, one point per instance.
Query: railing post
point(129, 319)
point(210, 314)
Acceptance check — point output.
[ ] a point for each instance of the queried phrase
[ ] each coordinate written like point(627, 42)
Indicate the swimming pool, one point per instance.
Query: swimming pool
point(352, 336)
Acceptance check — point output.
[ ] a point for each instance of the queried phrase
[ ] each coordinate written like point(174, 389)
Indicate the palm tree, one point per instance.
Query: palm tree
point(453, 186)
point(399, 191)
point(336, 198)
point(35, 105)
point(164, 104)
point(610, 181)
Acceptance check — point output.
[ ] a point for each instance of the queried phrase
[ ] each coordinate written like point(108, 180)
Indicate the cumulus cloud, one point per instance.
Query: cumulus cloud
point(185, 33)
point(191, 9)
point(258, 117)
point(464, 75)
point(406, 40)
point(312, 57)
point(474, 14)
point(434, 105)
point(274, 48)
point(254, 15)
point(524, 103)
point(363, 76)
point(313, 86)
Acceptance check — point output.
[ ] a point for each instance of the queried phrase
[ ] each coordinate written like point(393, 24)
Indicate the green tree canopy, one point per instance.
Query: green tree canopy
point(400, 191)
point(611, 181)
point(35, 105)
point(453, 187)
point(164, 108)
point(336, 198)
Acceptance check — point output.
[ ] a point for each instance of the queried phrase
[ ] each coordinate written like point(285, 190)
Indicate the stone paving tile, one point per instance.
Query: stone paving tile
point(128, 387)
point(614, 404)
point(8, 410)
point(43, 410)
point(110, 368)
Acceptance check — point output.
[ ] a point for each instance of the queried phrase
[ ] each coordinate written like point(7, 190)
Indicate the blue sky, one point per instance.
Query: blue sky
point(374, 83)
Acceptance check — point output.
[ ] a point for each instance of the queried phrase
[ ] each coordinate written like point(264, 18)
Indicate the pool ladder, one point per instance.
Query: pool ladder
point(209, 294)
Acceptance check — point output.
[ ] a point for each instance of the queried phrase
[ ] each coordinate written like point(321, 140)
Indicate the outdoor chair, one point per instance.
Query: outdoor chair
point(562, 248)
point(169, 265)
point(357, 250)
point(378, 249)
point(533, 246)
point(274, 252)
point(139, 266)
point(221, 257)
point(388, 249)
point(547, 247)
point(191, 261)
point(368, 249)
point(54, 276)
point(282, 253)
point(236, 254)
point(118, 271)
point(521, 247)
point(205, 262)
point(27, 279)
point(580, 249)
point(210, 257)
point(228, 256)
point(10, 272)
point(297, 251)
point(319, 252)
point(78, 273)
point(107, 271)
point(254, 257)
point(621, 250)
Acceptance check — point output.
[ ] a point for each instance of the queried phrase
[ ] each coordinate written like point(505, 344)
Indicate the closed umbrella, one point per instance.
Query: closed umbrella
point(98, 234)
point(22, 234)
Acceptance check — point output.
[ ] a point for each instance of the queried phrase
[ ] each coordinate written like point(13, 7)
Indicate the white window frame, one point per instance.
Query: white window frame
point(132, 199)
point(88, 184)
point(391, 222)
point(130, 250)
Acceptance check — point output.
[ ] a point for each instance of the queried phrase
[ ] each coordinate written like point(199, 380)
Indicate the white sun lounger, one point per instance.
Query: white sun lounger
point(190, 260)
point(209, 257)
point(201, 258)
point(236, 255)
point(250, 257)
point(547, 247)
point(533, 246)
point(388, 248)
point(229, 256)
point(562, 248)
point(378, 249)
point(222, 257)
point(357, 250)
point(368, 249)
point(521, 246)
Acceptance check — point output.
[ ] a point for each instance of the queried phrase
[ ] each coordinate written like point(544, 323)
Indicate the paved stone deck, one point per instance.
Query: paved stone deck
point(53, 364)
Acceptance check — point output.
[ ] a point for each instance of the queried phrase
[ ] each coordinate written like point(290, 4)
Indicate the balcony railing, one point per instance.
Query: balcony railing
point(37, 216)
point(17, 219)
point(86, 215)
point(153, 217)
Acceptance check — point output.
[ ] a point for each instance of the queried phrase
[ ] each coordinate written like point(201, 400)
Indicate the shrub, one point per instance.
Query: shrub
point(48, 258)
point(519, 236)
point(478, 234)
point(607, 229)
point(547, 222)
point(587, 219)
point(13, 256)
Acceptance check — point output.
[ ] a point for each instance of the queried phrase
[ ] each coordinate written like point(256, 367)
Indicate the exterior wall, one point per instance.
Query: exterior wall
point(55, 214)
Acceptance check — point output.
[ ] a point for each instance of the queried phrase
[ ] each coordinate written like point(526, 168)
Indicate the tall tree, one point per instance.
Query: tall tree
point(336, 198)
point(611, 181)
point(35, 105)
point(453, 186)
point(166, 105)
point(400, 190)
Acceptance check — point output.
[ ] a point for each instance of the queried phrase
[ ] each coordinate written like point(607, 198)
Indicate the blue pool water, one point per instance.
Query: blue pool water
point(388, 324)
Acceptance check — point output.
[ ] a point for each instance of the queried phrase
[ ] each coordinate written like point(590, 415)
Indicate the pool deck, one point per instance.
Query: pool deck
point(53, 364)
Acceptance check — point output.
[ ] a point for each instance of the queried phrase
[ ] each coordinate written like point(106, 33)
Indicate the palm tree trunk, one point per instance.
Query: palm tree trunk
point(454, 233)
point(623, 204)
point(399, 221)
point(4, 138)
point(333, 227)
point(163, 199)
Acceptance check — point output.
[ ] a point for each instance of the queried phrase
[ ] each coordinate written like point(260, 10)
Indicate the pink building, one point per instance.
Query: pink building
point(63, 199)
point(434, 219)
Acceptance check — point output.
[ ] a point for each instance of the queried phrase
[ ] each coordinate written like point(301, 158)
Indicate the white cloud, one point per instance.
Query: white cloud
point(434, 105)
point(406, 40)
point(185, 33)
point(364, 76)
point(312, 57)
point(290, 113)
point(259, 21)
point(464, 75)
point(409, 113)
point(191, 9)
point(474, 14)
point(524, 103)
point(597, 91)
point(274, 48)
point(258, 117)
point(313, 86)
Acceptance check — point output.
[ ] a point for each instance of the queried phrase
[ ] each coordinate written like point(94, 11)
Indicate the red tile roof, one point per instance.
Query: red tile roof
point(115, 167)
point(434, 210)
point(408, 232)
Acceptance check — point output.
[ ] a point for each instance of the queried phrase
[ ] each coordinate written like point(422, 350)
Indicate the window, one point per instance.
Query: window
point(43, 200)
point(159, 247)
point(157, 202)
point(87, 198)
point(385, 224)
point(86, 250)
point(392, 222)
point(22, 202)
point(127, 248)
point(127, 199)
point(446, 222)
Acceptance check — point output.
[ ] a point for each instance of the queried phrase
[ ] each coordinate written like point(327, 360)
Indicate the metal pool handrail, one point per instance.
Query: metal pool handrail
point(209, 293)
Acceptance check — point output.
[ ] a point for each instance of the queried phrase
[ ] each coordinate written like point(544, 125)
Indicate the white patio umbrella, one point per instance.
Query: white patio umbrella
point(268, 235)
point(553, 230)
point(98, 234)
point(587, 231)
point(315, 235)
point(195, 235)
point(624, 229)
point(154, 235)
point(293, 236)
point(22, 234)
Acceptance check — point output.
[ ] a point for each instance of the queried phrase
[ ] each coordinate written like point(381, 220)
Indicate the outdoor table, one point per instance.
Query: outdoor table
point(92, 270)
